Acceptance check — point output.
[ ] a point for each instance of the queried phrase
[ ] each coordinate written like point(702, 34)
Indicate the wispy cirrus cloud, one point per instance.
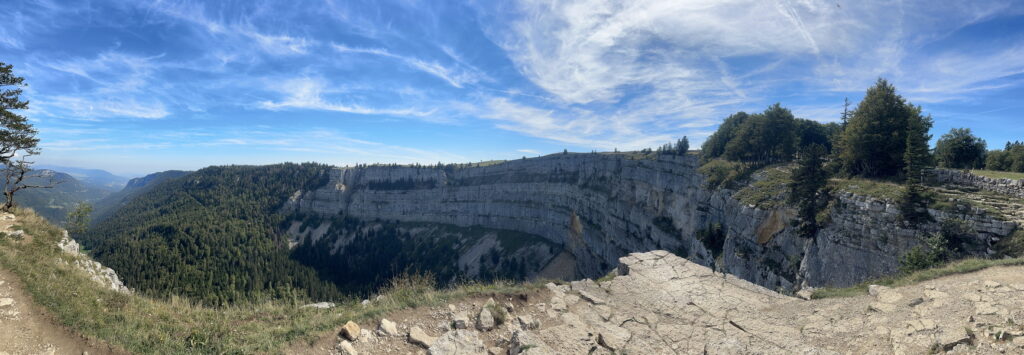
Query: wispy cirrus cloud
point(307, 93)
point(455, 76)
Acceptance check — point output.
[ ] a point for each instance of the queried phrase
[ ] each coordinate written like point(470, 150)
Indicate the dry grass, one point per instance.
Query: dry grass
point(141, 324)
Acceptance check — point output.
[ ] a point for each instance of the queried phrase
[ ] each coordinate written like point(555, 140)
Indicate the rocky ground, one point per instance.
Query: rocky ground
point(663, 304)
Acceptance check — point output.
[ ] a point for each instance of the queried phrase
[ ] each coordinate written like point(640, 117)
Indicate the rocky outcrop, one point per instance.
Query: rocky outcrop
point(662, 304)
point(97, 272)
point(866, 238)
point(599, 207)
point(965, 178)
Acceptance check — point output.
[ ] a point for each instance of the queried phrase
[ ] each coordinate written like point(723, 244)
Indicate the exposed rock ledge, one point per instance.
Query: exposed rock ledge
point(97, 272)
point(663, 304)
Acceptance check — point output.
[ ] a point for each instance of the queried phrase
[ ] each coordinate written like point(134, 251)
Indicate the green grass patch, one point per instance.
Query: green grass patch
point(903, 279)
point(1012, 246)
point(998, 174)
point(141, 324)
point(884, 190)
point(769, 189)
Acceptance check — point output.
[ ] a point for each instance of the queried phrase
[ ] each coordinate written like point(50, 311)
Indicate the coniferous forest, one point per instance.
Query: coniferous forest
point(211, 236)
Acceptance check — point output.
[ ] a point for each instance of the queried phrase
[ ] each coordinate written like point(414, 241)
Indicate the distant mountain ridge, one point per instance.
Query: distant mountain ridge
point(96, 177)
point(133, 188)
point(54, 203)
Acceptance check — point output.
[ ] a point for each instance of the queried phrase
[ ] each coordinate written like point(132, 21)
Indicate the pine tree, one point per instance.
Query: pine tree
point(807, 188)
point(913, 204)
point(875, 138)
point(683, 146)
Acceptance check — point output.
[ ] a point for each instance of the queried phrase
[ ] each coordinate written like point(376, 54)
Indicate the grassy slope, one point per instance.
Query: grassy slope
point(998, 174)
point(144, 325)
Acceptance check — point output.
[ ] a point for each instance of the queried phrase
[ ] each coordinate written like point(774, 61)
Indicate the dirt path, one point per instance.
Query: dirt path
point(25, 329)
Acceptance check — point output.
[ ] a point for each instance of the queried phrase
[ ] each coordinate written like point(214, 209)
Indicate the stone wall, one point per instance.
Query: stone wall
point(600, 207)
point(958, 177)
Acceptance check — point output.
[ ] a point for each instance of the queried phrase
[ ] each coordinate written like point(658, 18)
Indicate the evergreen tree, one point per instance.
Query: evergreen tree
point(78, 220)
point(875, 139)
point(807, 188)
point(914, 202)
point(683, 146)
point(17, 137)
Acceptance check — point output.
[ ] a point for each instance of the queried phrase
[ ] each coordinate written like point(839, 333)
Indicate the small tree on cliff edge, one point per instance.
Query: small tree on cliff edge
point(808, 187)
point(17, 136)
point(914, 202)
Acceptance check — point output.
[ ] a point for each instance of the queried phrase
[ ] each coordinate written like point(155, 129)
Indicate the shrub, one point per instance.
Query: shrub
point(720, 173)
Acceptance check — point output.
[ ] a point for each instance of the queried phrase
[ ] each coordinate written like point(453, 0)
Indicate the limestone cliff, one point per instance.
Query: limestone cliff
point(599, 207)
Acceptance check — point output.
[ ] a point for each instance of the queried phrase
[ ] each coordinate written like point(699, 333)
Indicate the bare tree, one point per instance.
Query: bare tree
point(18, 175)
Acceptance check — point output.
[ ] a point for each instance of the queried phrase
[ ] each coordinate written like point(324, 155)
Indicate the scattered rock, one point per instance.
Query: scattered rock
point(592, 298)
point(613, 337)
point(916, 301)
point(805, 293)
point(319, 305)
point(458, 342)
point(388, 328)
point(527, 322)
point(366, 336)
point(460, 320)
point(485, 321)
point(350, 331)
point(346, 348)
point(418, 337)
point(874, 290)
point(950, 337)
point(494, 350)
point(527, 343)
point(4, 302)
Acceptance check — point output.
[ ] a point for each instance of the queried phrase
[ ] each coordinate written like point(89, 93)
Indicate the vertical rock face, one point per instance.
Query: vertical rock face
point(600, 207)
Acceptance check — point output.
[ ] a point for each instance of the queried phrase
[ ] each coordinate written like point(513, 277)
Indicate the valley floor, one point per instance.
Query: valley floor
point(663, 304)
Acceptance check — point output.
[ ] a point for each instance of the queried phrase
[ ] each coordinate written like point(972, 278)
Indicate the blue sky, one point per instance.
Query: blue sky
point(140, 86)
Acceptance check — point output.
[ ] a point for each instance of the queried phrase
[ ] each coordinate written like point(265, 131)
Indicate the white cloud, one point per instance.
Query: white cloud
point(93, 107)
point(306, 93)
point(620, 71)
point(456, 77)
point(234, 33)
point(578, 128)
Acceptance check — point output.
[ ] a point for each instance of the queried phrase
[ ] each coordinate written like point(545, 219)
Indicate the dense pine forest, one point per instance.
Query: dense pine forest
point(211, 236)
